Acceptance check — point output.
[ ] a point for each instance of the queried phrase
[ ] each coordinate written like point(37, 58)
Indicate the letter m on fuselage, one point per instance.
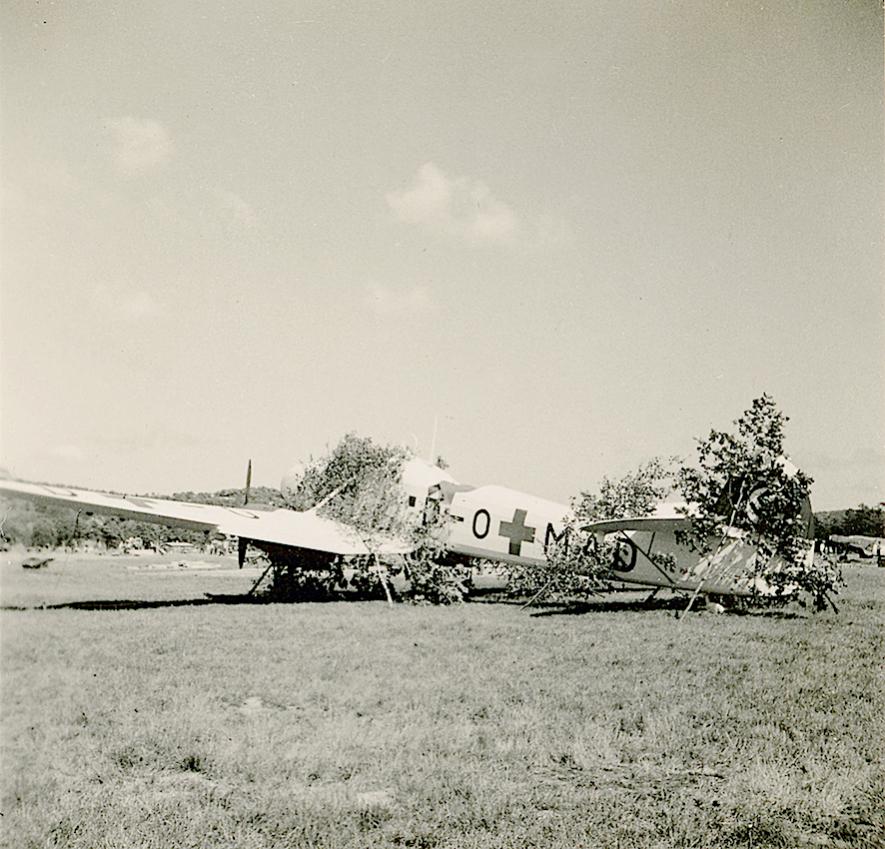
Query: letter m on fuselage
point(550, 536)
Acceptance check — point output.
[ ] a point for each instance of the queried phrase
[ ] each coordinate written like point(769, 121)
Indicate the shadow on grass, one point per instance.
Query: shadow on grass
point(578, 608)
point(675, 605)
point(138, 604)
point(210, 598)
point(670, 605)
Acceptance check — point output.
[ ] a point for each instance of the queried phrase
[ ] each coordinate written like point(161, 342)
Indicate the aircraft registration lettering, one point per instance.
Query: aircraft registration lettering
point(481, 515)
point(550, 536)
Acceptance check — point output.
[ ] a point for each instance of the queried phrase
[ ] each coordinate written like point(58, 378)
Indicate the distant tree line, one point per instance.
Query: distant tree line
point(861, 521)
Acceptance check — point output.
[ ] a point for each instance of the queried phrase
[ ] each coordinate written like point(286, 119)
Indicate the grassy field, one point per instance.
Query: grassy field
point(140, 717)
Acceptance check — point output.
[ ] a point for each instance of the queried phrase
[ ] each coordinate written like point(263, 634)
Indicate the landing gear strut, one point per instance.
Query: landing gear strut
point(299, 575)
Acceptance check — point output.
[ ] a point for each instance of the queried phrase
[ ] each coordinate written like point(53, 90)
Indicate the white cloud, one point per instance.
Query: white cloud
point(458, 205)
point(491, 220)
point(407, 301)
point(239, 212)
point(139, 144)
point(429, 198)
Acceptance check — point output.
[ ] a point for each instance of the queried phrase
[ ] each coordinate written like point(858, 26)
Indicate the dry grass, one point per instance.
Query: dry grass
point(356, 725)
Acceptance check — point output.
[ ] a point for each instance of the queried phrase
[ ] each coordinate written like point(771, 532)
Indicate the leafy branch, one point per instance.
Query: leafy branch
point(744, 487)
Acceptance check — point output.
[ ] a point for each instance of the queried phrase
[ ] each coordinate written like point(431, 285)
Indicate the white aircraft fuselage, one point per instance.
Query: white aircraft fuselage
point(491, 523)
point(505, 525)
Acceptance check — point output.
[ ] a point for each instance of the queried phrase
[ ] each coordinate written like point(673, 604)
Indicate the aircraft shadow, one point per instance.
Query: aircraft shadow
point(671, 605)
point(540, 610)
point(137, 604)
point(210, 598)
point(579, 608)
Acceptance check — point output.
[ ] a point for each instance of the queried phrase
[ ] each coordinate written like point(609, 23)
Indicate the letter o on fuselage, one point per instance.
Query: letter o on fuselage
point(481, 515)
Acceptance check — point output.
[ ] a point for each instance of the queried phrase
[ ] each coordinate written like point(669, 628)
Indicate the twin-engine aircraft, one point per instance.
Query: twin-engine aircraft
point(858, 544)
point(491, 523)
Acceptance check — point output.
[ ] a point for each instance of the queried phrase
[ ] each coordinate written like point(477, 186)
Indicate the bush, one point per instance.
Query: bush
point(358, 484)
point(744, 484)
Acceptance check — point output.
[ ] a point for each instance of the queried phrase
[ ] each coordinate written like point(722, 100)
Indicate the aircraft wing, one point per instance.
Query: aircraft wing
point(283, 527)
point(867, 546)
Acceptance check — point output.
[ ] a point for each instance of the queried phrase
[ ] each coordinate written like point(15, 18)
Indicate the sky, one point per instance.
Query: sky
point(566, 237)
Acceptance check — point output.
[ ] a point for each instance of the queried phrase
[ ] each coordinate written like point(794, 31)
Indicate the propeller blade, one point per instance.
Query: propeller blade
point(242, 545)
point(248, 483)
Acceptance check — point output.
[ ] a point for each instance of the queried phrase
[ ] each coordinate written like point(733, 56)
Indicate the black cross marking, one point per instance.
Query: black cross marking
point(517, 532)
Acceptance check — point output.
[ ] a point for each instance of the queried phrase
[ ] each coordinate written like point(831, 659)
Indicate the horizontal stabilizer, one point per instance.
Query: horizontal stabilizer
point(641, 523)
